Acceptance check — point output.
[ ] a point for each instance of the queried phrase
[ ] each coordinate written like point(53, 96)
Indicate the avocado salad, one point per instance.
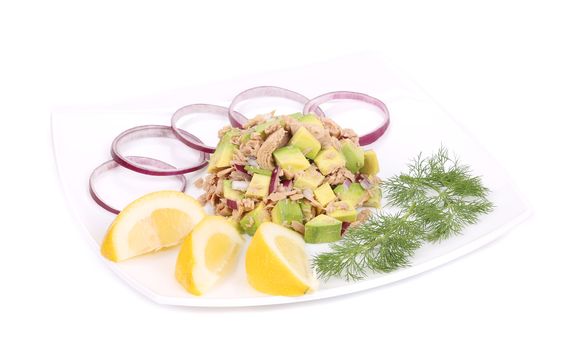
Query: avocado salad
point(301, 171)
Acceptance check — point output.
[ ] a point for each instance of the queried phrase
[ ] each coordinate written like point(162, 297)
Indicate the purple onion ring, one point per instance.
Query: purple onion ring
point(152, 131)
point(112, 164)
point(187, 138)
point(238, 120)
point(365, 139)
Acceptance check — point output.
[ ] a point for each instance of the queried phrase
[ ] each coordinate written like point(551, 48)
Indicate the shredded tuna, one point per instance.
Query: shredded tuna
point(298, 227)
point(221, 208)
point(224, 172)
point(239, 176)
point(247, 204)
point(238, 158)
point(339, 176)
point(277, 196)
point(264, 156)
point(337, 206)
point(351, 135)
point(272, 128)
point(297, 196)
point(251, 123)
point(199, 182)
point(250, 148)
point(333, 129)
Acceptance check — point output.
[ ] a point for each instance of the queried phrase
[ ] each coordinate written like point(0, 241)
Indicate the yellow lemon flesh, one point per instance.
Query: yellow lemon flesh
point(152, 222)
point(208, 253)
point(277, 262)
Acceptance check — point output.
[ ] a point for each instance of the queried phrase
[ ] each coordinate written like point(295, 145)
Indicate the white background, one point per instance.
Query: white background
point(510, 72)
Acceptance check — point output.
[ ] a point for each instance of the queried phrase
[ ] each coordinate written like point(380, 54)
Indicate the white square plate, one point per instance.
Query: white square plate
point(82, 138)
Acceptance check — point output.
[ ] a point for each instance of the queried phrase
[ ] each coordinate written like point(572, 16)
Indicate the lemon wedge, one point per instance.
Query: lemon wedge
point(150, 223)
point(208, 253)
point(277, 262)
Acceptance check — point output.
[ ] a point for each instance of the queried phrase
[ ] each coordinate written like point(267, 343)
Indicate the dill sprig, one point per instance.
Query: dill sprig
point(435, 200)
point(383, 243)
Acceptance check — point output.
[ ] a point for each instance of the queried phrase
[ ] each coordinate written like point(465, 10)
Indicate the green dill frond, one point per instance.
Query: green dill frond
point(436, 199)
point(383, 243)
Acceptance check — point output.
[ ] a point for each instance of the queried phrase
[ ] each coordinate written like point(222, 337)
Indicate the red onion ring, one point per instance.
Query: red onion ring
point(365, 139)
point(238, 120)
point(152, 131)
point(112, 164)
point(187, 138)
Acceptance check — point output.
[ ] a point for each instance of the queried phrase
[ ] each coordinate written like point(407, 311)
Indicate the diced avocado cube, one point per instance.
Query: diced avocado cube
point(291, 159)
point(309, 178)
point(354, 194)
point(324, 194)
point(306, 142)
point(229, 192)
point(251, 221)
point(328, 160)
point(259, 186)
point(246, 136)
point(296, 115)
point(322, 229)
point(257, 170)
point(307, 209)
point(371, 163)
point(353, 154)
point(223, 154)
point(310, 119)
point(346, 215)
point(375, 198)
point(285, 211)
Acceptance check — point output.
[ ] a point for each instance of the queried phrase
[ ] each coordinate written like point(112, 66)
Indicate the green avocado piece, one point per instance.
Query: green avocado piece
point(306, 209)
point(324, 194)
point(257, 170)
point(354, 194)
point(310, 119)
point(306, 142)
point(309, 178)
point(259, 186)
point(246, 136)
point(223, 154)
point(375, 200)
point(345, 215)
point(296, 115)
point(291, 159)
point(371, 163)
point(229, 192)
point(251, 221)
point(322, 229)
point(353, 154)
point(328, 160)
point(286, 211)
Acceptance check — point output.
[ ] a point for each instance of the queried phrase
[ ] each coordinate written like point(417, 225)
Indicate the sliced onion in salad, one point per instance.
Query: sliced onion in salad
point(111, 164)
point(238, 120)
point(239, 185)
point(189, 139)
point(232, 204)
point(143, 131)
point(274, 182)
point(366, 139)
